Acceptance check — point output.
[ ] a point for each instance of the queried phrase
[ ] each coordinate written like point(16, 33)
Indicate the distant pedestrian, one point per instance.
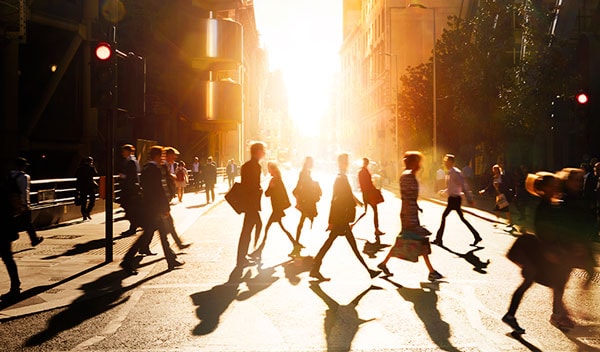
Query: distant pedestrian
point(232, 171)
point(503, 189)
point(409, 215)
point(130, 196)
point(196, 169)
point(468, 174)
point(279, 202)
point(156, 209)
point(250, 182)
point(10, 234)
point(87, 186)
point(171, 155)
point(181, 179)
point(371, 195)
point(455, 187)
point(341, 215)
point(19, 185)
point(521, 196)
point(307, 193)
point(210, 179)
point(440, 179)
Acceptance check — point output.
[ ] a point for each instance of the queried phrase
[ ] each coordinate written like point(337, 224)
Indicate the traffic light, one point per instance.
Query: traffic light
point(103, 76)
point(581, 98)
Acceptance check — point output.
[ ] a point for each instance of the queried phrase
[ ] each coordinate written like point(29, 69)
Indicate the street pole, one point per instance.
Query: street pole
point(434, 94)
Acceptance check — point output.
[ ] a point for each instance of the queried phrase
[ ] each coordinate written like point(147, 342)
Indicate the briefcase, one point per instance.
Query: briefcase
point(236, 197)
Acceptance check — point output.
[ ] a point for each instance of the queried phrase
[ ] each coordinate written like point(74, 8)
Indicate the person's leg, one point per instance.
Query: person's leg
point(428, 263)
point(299, 228)
point(92, 202)
point(244, 242)
point(170, 228)
point(352, 241)
point(83, 205)
point(207, 191)
point(476, 236)
point(509, 317)
point(314, 272)
point(287, 233)
point(9, 261)
point(164, 242)
point(30, 229)
point(440, 232)
point(258, 252)
point(212, 192)
point(375, 218)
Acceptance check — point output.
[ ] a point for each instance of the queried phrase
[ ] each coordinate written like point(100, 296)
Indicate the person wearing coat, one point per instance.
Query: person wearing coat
point(86, 186)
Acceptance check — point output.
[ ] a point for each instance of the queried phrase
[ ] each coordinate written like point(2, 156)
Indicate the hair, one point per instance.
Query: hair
point(155, 150)
point(256, 147)
point(449, 157)
point(181, 163)
point(128, 147)
point(171, 150)
point(273, 169)
point(411, 157)
point(496, 166)
point(536, 183)
point(210, 158)
point(366, 161)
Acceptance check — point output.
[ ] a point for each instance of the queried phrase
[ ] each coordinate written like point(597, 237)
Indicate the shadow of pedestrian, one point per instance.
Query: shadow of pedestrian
point(100, 296)
point(478, 265)
point(258, 283)
point(424, 300)
point(297, 266)
point(372, 248)
point(527, 344)
point(341, 321)
point(214, 302)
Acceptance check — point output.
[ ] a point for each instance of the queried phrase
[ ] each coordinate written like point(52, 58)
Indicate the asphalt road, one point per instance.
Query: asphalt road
point(208, 306)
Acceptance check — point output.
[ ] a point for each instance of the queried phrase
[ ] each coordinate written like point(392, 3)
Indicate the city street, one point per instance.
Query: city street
point(206, 305)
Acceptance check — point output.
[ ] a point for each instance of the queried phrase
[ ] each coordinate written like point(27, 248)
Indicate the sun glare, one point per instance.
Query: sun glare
point(302, 39)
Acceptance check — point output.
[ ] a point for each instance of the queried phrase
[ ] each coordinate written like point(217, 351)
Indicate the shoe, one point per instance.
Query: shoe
point(294, 253)
point(437, 242)
point(562, 322)
point(255, 256)
point(37, 241)
point(185, 245)
point(11, 295)
point(243, 263)
point(374, 273)
point(477, 240)
point(511, 321)
point(175, 264)
point(379, 233)
point(317, 275)
point(434, 275)
point(385, 269)
point(146, 253)
point(129, 232)
point(128, 268)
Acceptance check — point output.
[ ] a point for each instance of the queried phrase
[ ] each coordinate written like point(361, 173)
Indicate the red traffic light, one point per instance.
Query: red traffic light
point(103, 51)
point(582, 98)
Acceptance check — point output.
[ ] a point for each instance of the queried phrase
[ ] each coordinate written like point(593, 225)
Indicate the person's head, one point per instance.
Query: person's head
point(21, 163)
point(181, 164)
point(88, 160)
point(156, 153)
point(496, 170)
point(449, 161)
point(171, 154)
point(308, 163)
point(365, 162)
point(343, 162)
point(542, 184)
point(209, 160)
point(273, 169)
point(127, 150)
point(196, 159)
point(572, 179)
point(257, 150)
point(597, 169)
point(412, 160)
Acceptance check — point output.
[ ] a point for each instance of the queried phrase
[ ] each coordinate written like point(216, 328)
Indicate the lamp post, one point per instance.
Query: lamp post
point(434, 81)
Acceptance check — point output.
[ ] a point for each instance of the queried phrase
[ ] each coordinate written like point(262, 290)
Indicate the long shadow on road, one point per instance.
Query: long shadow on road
point(478, 265)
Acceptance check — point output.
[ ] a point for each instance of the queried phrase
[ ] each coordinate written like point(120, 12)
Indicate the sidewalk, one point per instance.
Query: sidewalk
point(58, 271)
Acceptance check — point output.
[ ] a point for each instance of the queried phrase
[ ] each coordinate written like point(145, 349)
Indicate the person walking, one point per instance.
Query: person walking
point(181, 179)
point(279, 202)
point(341, 214)
point(9, 235)
point(409, 215)
point(307, 193)
point(371, 195)
point(231, 171)
point(503, 190)
point(250, 183)
point(196, 169)
point(19, 183)
point(170, 163)
point(210, 179)
point(455, 187)
point(86, 186)
point(156, 209)
point(130, 191)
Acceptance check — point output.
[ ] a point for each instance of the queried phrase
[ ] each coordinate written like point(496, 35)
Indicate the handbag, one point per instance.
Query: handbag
point(407, 249)
point(236, 197)
point(501, 201)
point(376, 197)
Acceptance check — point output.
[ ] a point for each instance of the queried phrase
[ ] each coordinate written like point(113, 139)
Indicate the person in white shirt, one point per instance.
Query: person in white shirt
point(455, 187)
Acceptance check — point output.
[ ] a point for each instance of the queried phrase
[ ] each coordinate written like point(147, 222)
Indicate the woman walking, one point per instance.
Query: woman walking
point(181, 180)
point(409, 217)
point(279, 202)
point(307, 193)
point(503, 190)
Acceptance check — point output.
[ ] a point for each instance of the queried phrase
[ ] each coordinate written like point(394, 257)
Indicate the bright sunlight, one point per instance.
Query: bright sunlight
point(302, 39)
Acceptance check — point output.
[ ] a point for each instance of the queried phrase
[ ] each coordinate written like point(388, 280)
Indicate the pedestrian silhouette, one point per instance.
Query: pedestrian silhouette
point(307, 193)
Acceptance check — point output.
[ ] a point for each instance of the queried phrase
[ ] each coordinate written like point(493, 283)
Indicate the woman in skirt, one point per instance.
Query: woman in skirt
point(409, 217)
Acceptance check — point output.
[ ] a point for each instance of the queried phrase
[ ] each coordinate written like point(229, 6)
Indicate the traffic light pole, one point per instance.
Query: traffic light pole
point(108, 206)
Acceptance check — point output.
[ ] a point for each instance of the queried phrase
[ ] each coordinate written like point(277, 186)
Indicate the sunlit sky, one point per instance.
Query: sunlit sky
point(303, 38)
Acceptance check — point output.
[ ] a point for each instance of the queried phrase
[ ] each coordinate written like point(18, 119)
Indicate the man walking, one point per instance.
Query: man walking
point(19, 184)
point(231, 171)
point(250, 174)
point(129, 183)
point(341, 214)
point(156, 210)
point(210, 179)
point(455, 187)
